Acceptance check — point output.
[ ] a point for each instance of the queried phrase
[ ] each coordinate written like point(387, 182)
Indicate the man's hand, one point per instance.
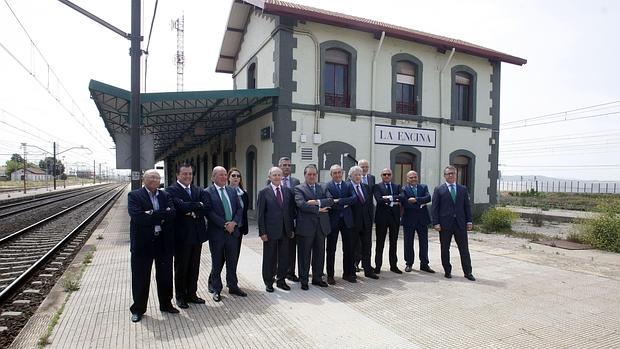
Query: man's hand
point(336, 201)
point(324, 209)
point(312, 202)
point(470, 226)
point(437, 227)
point(264, 237)
point(230, 226)
point(149, 212)
point(412, 200)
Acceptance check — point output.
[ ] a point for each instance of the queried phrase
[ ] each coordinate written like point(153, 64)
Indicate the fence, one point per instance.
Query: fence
point(560, 186)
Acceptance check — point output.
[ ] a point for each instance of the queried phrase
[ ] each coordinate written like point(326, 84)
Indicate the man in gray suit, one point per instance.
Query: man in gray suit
point(275, 209)
point(313, 226)
point(452, 216)
point(290, 182)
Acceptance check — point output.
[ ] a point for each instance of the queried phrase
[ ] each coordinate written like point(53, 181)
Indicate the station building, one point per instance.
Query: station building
point(327, 88)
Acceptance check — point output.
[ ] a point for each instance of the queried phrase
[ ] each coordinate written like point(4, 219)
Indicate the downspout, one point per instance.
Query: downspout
point(372, 100)
point(440, 165)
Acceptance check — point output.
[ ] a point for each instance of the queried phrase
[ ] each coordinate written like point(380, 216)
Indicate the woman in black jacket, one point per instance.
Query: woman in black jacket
point(235, 181)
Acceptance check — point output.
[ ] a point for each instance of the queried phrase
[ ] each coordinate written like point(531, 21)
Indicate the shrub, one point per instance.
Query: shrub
point(604, 232)
point(497, 220)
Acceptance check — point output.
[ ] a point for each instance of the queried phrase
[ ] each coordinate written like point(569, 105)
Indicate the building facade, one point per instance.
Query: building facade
point(352, 88)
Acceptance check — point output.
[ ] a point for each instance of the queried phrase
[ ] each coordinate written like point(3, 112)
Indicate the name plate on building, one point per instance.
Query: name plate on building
point(417, 137)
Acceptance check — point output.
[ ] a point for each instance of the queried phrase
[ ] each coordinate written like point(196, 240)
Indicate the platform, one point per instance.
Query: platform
point(520, 300)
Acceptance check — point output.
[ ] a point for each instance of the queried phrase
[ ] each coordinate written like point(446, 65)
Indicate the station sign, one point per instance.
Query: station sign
point(396, 135)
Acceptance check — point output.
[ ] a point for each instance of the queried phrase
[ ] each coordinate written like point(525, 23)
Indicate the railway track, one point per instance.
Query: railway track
point(26, 204)
point(33, 258)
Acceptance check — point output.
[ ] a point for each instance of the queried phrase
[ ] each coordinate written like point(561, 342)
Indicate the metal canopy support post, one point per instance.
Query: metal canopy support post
point(134, 105)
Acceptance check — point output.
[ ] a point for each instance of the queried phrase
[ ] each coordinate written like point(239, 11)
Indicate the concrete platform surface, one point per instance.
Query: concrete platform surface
point(515, 303)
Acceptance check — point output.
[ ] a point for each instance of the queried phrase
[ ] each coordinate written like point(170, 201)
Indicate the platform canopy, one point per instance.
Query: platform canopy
point(179, 121)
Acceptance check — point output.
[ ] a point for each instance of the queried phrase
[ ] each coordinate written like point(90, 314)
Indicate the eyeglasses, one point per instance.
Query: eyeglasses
point(234, 175)
point(449, 174)
point(386, 174)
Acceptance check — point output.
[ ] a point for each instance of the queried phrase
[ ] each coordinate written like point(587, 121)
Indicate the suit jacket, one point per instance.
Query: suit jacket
point(142, 225)
point(343, 207)
point(386, 214)
point(188, 229)
point(446, 212)
point(216, 216)
point(371, 180)
point(414, 214)
point(273, 220)
point(245, 199)
point(309, 220)
point(362, 213)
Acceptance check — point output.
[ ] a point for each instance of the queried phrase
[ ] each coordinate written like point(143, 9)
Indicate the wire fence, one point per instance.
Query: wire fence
point(560, 186)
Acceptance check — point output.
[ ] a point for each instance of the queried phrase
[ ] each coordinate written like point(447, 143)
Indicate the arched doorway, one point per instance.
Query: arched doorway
point(465, 163)
point(335, 153)
point(402, 160)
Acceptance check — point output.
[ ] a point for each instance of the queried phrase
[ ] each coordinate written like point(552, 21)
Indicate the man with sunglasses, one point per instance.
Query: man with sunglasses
point(387, 217)
point(452, 216)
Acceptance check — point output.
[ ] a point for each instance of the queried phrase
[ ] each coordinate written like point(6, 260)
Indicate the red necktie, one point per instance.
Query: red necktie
point(279, 197)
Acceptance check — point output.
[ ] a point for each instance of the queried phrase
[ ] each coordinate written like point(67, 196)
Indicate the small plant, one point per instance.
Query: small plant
point(44, 339)
point(604, 232)
point(71, 284)
point(536, 219)
point(497, 220)
point(88, 258)
point(100, 237)
point(574, 236)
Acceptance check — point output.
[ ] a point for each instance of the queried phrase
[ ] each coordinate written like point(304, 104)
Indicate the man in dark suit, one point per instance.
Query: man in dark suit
point(369, 180)
point(290, 182)
point(274, 208)
point(312, 227)
point(452, 216)
point(151, 239)
point(189, 234)
point(362, 218)
point(414, 197)
point(387, 217)
point(341, 222)
point(224, 217)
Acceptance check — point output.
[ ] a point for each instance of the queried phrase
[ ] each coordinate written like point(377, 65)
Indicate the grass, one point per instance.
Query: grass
point(565, 201)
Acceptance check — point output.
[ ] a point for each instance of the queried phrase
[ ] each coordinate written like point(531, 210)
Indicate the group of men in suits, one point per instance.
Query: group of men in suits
point(169, 225)
point(293, 219)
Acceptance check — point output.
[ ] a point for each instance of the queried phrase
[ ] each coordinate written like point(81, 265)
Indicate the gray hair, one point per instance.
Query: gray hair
point(152, 173)
point(449, 167)
point(273, 169)
point(355, 169)
point(334, 167)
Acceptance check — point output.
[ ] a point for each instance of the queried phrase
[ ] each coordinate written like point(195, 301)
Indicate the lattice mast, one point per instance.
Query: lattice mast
point(179, 26)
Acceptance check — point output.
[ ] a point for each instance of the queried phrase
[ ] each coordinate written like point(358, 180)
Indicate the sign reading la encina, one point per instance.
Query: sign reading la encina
point(418, 137)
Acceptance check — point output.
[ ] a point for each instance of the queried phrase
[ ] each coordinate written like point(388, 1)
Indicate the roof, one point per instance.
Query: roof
point(241, 10)
point(179, 121)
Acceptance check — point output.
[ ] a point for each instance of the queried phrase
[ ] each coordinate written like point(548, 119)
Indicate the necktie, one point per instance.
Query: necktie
point(388, 186)
point(279, 197)
point(189, 192)
point(365, 179)
point(360, 196)
point(285, 182)
point(227, 211)
point(312, 187)
point(453, 192)
point(415, 191)
point(338, 186)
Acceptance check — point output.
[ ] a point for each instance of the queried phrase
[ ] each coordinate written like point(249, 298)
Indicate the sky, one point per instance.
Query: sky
point(560, 113)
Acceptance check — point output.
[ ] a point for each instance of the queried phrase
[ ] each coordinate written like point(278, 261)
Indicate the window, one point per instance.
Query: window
point(252, 76)
point(406, 98)
point(336, 78)
point(463, 96)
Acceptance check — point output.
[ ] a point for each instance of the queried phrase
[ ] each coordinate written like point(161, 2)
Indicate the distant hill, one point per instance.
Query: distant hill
point(530, 178)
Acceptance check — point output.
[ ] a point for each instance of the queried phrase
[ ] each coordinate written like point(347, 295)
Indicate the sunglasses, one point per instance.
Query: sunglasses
point(386, 174)
point(234, 175)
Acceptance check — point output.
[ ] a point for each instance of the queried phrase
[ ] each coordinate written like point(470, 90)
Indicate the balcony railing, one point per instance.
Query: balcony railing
point(406, 108)
point(337, 100)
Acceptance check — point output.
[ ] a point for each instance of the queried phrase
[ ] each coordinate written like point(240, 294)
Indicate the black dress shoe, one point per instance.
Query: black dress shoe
point(470, 277)
point(371, 275)
point(396, 270)
point(427, 269)
point(217, 297)
point(320, 283)
point(182, 304)
point(408, 268)
point(269, 288)
point(378, 270)
point(330, 280)
point(196, 300)
point(210, 288)
point(292, 277)
point(169, 309)
point(237, 292)
point(136, 317)
point(282, 284)
point(304, 286)
point(350, 279)
point(447, 275)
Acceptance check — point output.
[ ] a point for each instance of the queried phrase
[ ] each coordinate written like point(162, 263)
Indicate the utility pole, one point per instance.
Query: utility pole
point(25, 164)
point(99, 172)
point(54, 170)
point(95, 172)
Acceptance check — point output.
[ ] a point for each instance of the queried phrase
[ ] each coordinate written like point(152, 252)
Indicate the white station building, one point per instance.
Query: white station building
point(344, 88)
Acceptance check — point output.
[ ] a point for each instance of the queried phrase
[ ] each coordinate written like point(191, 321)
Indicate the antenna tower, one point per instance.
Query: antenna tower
point(179, 26)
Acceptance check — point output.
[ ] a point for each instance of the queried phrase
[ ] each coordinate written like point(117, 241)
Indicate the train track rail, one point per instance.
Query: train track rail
point(34, 257)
